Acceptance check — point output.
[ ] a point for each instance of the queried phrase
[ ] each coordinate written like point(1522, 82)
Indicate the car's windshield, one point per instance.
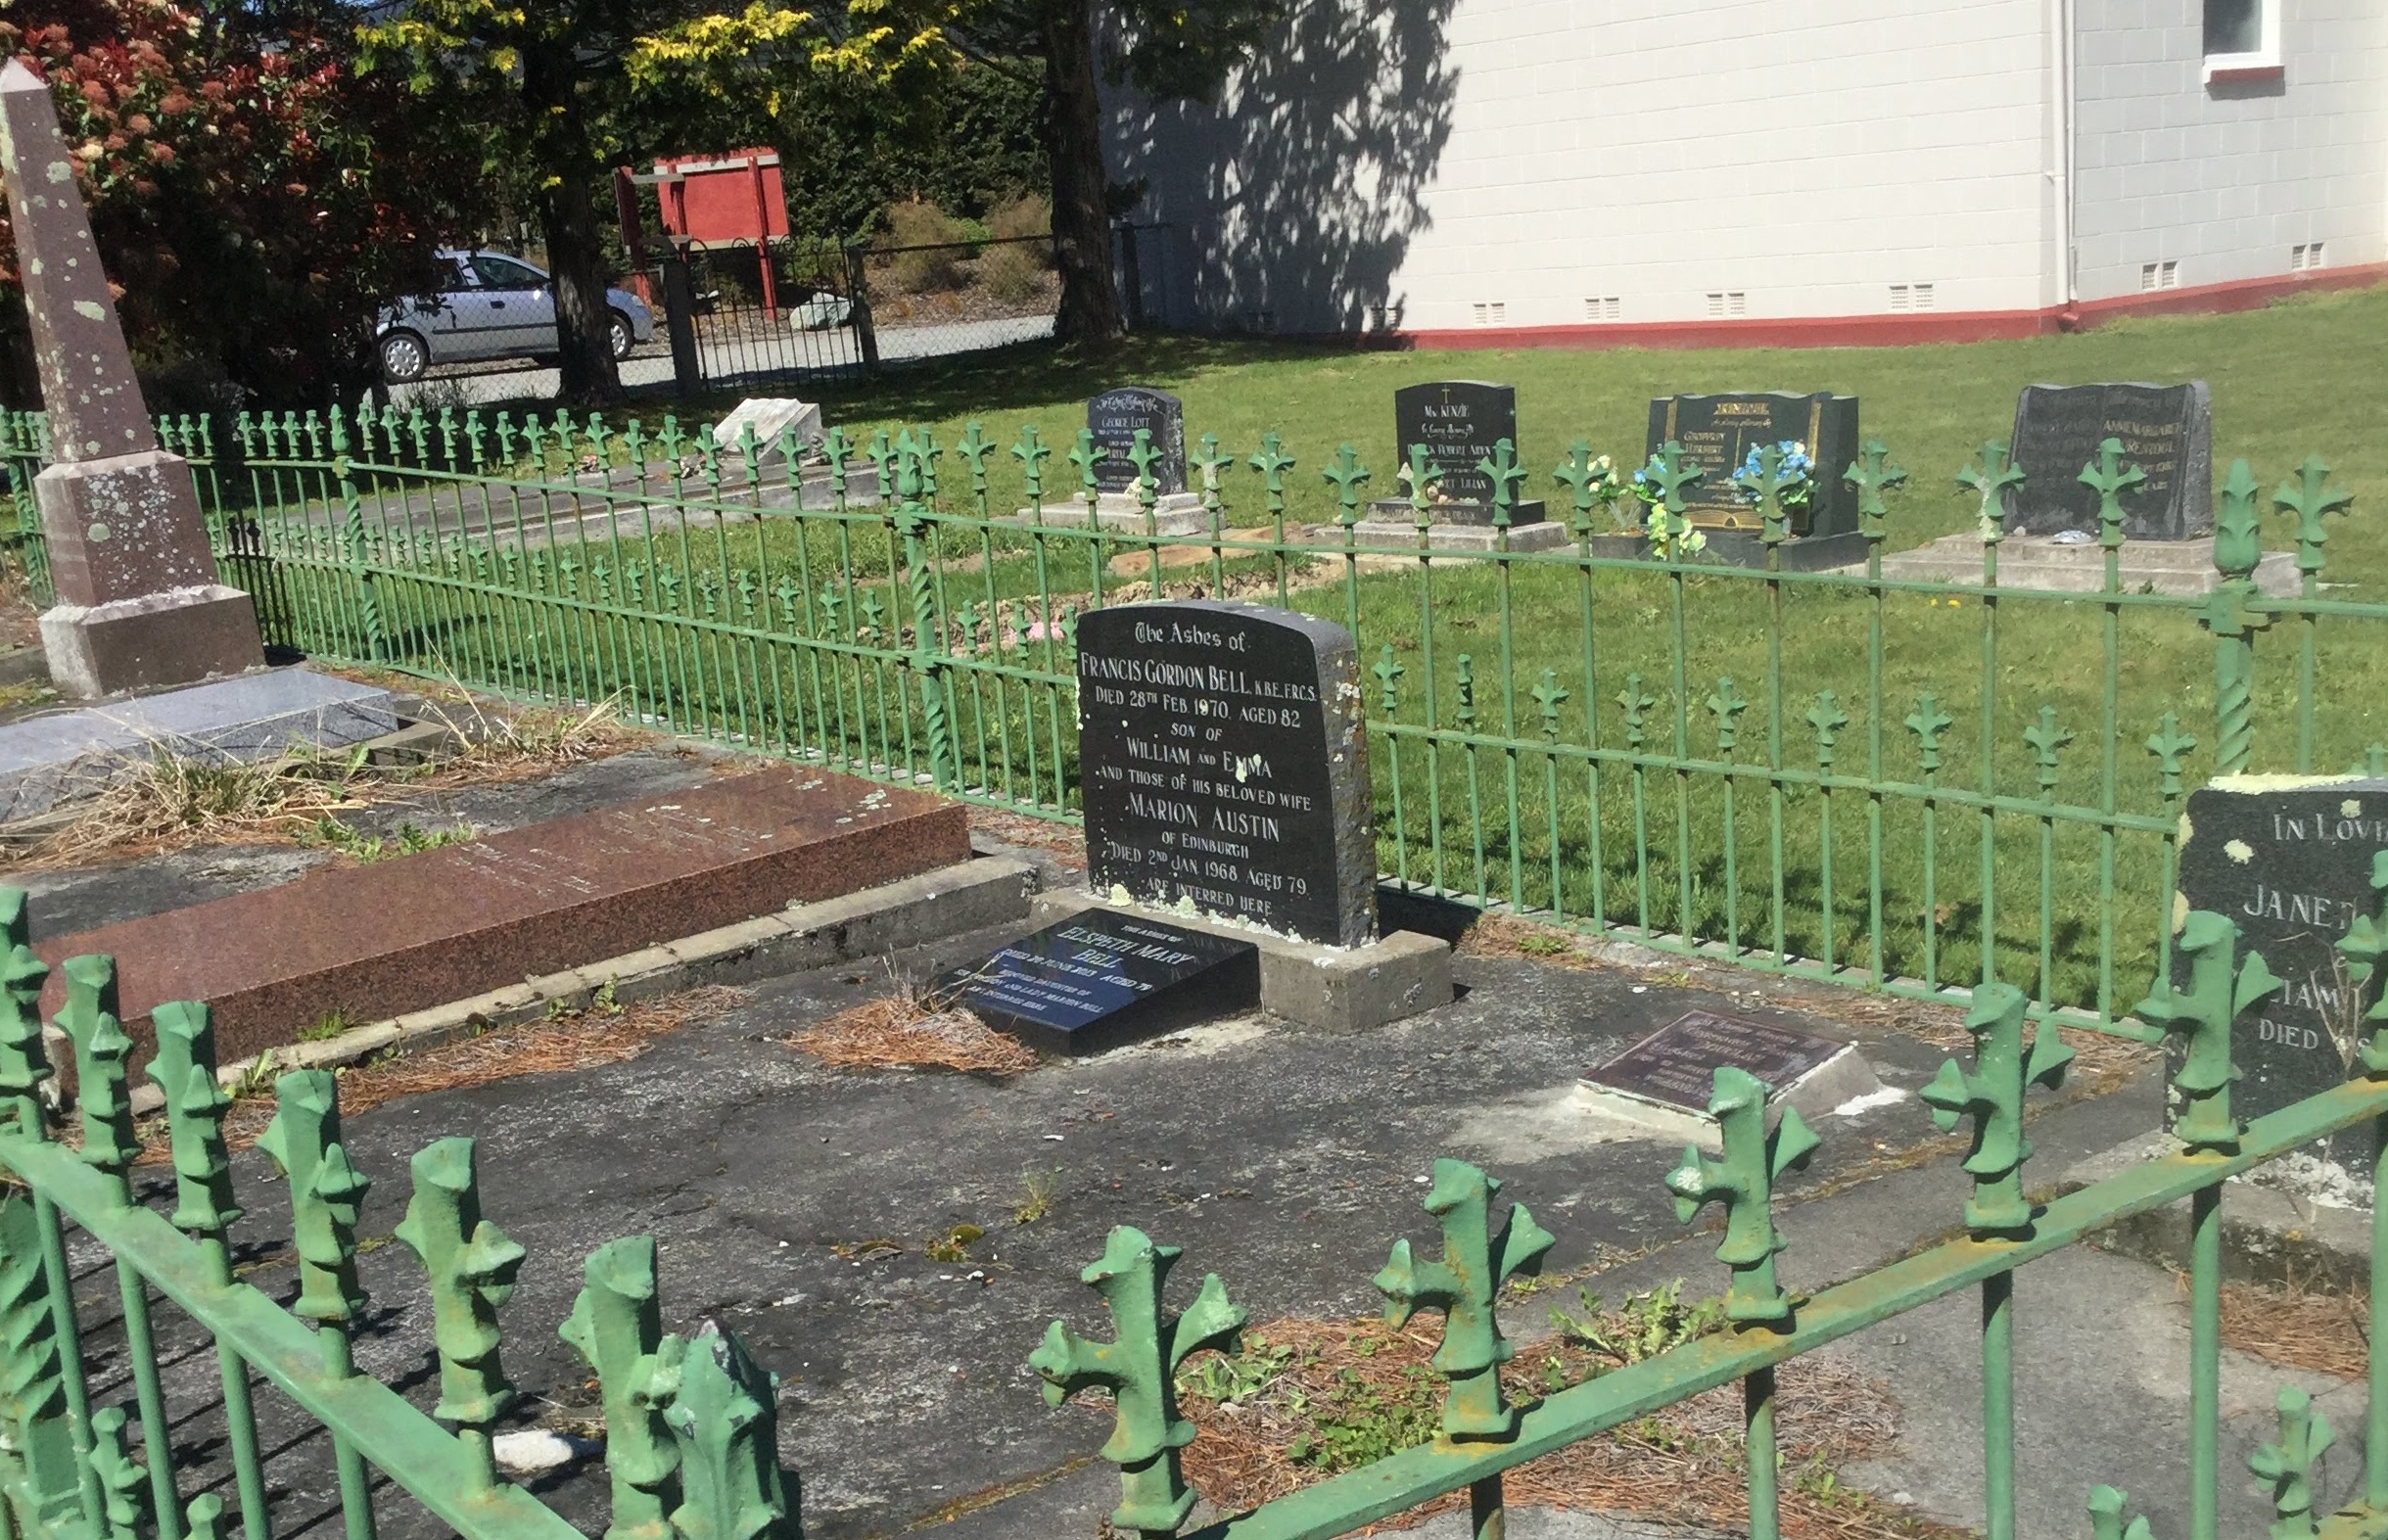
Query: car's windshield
point(503, 273)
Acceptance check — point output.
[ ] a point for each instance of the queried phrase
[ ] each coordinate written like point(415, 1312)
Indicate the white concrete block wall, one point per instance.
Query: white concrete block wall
point(2227, 180)
point(1434, 155)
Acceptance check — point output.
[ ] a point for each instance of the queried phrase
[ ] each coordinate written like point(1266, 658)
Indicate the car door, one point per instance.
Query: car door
point(442, 315)
point(521, 306)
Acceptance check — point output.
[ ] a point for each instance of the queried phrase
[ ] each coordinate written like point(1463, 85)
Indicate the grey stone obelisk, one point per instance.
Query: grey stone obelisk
point(139, 603)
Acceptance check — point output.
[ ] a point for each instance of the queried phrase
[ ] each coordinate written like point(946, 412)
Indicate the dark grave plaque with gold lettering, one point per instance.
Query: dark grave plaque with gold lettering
point(1100, 979)
point(2164, 429)
point(1224, 764)
point(2288, 860)
point(1719, 431)
point(1461, 422)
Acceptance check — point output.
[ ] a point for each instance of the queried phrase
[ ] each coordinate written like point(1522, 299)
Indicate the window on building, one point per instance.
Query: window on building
point(2242, 40)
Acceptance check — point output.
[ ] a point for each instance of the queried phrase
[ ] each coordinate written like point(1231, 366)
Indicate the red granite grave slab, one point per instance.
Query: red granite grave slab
point(375, 940)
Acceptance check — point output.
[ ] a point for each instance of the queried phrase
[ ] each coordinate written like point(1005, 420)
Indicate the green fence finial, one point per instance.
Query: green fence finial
point(2110, 479)
point(1743, 1181)
point(2288, 1464)
point(1347, 476)
point(1928, 721)
point(1388, 681)
point(1143, 455)
point(25, 1062)
point(1992, 1095)
point(100, 1051)
point(2362, 946)
point(125, 1492)
point(206, 1515)
point(1424, 477)
point(325, 1190)
point(2311, 501)
point(1506, 477)
point(1139, 1368)
point(2106, 1516)
point(2221, 989)
point(1668, 475)
point(1726, 705)
point(32, 1379)
point(1583, 477)
point(1465, 1285)
point(1210, 463)
point(185, 1068)
point(472, 1266)
point(1996, 476)
point(616, 1326)
point(2169, 744)
point(1086, 454)
point(1873, 474)
point(724, 1415)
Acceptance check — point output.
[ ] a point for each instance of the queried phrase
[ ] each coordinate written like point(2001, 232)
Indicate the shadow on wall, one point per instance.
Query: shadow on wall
point(1292, 201)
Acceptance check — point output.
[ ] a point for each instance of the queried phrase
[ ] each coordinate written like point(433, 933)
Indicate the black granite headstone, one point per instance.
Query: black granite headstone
point(2288, 860)
point(1224, 764)
point(1114, 418)
point(2166, 430)
point(1677, 1064)
point(1099, 979)
point(1460, 422)
point(1719, 431)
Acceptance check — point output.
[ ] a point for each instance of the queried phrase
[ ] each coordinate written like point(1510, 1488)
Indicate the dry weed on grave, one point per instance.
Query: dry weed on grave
point(1306, 1399)
point(2328, 1332)
point(911, 1030)
point(549, 1045)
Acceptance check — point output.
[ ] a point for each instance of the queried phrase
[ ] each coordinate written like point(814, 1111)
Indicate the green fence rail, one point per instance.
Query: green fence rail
point(691, 1446)
point(1913, 786)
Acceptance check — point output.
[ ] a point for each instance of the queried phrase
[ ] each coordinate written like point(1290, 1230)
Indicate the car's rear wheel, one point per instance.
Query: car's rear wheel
point(619, 335)
point(404, 357)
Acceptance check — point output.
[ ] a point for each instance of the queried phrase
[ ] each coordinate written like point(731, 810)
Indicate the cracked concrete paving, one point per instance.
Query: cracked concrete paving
point(1287, 1160)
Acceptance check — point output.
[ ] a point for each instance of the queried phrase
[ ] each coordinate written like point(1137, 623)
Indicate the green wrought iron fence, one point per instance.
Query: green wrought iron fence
point(1487, 1428)
point(690, 1446)
point(1911, 787)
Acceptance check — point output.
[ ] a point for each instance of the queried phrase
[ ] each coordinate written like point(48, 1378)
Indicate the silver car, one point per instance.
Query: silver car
point(492, 306)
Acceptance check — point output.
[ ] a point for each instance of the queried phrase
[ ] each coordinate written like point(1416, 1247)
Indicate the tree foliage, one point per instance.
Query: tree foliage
point(252, 199)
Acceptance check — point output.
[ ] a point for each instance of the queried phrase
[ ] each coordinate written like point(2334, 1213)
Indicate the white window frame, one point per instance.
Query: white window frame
point(2266, 57)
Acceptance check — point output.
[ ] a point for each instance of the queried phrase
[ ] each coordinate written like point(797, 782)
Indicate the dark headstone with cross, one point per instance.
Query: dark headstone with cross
point(1114, 418)
point(1719, 431)
point(2165, 431)
point(139, 601)
point(1461, 424)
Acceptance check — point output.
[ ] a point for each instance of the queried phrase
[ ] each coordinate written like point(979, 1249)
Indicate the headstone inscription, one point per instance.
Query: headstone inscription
point(1114, 418)
point(2288, 860)
point(1224, 765)
point(1100, 979)
point(1664, 1082)
point(1460, 422)
point(1719, 431)
point(2166, 430)
point(140, 603)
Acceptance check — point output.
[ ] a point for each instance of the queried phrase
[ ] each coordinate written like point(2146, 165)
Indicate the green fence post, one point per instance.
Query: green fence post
point(616, 1326)
point(32, 1378)
point(1139, 1366)
point(2311, 501)
point(2288, 1464)
point(109, 1145)
point(185, 1068)
point(325, 1190)
point(929, 656)
point(472, 1266)
point(127, 1491)
point(2362, 947)
point(356, 544)
point(723, 1416)
point(2232, 617)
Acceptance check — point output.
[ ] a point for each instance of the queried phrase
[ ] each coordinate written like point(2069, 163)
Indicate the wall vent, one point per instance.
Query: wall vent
point(2159, 275)
point(1727, 303)
point(1492, 313)
point(1604, 307)
point(1911, 297)
point(2304, 257)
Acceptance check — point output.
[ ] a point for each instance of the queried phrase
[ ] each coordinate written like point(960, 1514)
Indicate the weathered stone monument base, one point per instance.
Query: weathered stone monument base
point(1336, 989)
point(2036, 561)
point(1177, 514)
point(153, 640)
point(1737, 548)
point(1389, 535)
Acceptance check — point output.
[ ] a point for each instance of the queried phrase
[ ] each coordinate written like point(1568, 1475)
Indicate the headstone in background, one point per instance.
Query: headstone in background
point(1224, 764)
point(139, 600)
point(2288, 860)
point(1460, 422)
point(769, 416)
point(1664, 1083)
point(2166, 430)
point(1719, 431)
point(1101, 979)
point(1114, 418)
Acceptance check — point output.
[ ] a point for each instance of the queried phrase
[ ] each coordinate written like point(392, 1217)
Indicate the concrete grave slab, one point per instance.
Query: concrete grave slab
point(1660, 1088)
point(51, 759)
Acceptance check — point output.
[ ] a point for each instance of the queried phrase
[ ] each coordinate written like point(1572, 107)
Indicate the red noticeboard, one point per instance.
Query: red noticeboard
point(735, 196)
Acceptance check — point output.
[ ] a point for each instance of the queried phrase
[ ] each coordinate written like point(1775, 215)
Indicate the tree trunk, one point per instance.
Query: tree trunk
point(1074, 146)
point(576, 248)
